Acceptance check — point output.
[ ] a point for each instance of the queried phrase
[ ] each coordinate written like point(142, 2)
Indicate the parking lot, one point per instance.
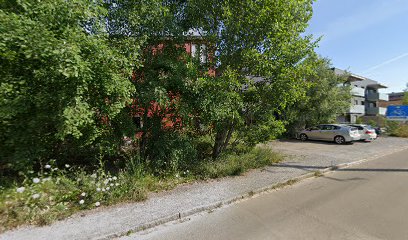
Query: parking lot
point(329, 154)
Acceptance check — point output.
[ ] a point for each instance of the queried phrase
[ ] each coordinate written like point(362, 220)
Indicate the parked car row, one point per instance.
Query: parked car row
point(339, 133)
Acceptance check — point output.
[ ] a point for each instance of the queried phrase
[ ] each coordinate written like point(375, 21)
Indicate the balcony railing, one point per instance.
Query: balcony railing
point(356, 91)
point(357, 109)
point(371, 96)
point(376, 110)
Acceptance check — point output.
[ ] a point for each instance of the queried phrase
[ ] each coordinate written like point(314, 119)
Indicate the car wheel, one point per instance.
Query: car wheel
point(303, 137)
point(339, 140)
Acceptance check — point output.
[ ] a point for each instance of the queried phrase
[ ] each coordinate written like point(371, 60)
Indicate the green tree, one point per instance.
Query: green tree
point(73, 73)
point(405, 98)
point(325, 99)
point(65, 79)
point(253, 38)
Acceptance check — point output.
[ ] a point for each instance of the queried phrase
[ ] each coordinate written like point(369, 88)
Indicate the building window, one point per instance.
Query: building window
point(193, 50)
point(373, 105)
point(362, 103)
point(355, 102)
point(203, 54)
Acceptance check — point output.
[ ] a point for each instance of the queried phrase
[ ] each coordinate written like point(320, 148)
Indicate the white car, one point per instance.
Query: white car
point(331, 132)
point(367, 133)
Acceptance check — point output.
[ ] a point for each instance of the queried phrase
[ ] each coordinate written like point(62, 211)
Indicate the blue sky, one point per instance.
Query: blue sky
point(365, 37)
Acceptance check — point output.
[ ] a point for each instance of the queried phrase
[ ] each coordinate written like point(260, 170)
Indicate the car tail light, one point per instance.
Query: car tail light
point(368, 132)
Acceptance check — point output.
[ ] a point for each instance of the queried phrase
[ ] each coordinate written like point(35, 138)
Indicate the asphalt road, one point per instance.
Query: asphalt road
point(366, 201)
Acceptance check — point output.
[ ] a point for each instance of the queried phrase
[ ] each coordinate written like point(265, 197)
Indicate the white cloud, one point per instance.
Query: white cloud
point(372, 14)
point(386, 62)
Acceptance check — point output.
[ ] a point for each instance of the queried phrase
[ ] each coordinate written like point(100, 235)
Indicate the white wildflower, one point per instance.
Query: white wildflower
point(93, 175)
point(20, 189)
point(97, 204)
point(46, 179)
point(36, 180)
point(67, 165)
point(107, 189)
point(81, 201)
point(55, 169)
point(110, 179)
point(115, 178)
point(106, 181)
point(111, 184)
point(177, 175)
point(116, 184)
point(83, 194)
point(103, 189)
point(47, 166)
point(98, 189)
point(35, 196)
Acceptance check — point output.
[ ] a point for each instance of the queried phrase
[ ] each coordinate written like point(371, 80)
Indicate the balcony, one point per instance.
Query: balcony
point(357, 109)
point(356, 91)
point(373, 96)
point(376, 111)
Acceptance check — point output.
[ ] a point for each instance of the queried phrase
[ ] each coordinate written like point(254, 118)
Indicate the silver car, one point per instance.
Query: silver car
point(367, 133)
point(331, 132)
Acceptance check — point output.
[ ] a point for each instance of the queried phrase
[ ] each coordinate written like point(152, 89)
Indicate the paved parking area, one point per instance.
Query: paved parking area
point(319, 153)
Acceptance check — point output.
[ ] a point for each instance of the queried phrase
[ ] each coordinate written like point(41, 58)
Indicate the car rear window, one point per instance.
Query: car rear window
point(354, 129)
point(358, 127)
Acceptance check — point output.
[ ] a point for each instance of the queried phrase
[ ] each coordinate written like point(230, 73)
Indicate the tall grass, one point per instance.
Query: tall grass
point(54, 193)
point(397, 129)
point(233, 164)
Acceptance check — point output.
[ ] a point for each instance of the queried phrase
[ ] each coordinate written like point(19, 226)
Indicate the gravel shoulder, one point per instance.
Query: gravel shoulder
point(301, 158)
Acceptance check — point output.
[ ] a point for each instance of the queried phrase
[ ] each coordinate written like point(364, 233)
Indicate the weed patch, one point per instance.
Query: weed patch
point(232, 165)
point(54, 194)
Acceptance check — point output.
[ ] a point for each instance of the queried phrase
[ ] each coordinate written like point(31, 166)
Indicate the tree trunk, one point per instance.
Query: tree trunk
point(219, 142)
point(226, 142)
point(222, 139)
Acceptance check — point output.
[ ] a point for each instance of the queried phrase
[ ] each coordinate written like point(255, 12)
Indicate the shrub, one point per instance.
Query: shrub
point(401, 131)
point(231, 165)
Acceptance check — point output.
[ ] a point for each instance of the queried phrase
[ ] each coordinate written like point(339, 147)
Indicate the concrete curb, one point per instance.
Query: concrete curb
point(248, 195)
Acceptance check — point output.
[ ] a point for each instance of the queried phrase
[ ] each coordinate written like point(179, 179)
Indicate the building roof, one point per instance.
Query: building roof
point(360, 79)
point(352, 77)
point(376, 86)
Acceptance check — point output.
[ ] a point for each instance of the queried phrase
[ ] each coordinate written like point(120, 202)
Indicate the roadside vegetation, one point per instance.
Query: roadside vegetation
point(392, 128)
point(99, 104)
point(53, 193)
point(396, 129)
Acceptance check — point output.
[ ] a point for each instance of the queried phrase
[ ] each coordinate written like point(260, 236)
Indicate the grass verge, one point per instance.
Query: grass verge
point(401, 131)
point(54, 194)
point(232, 165)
